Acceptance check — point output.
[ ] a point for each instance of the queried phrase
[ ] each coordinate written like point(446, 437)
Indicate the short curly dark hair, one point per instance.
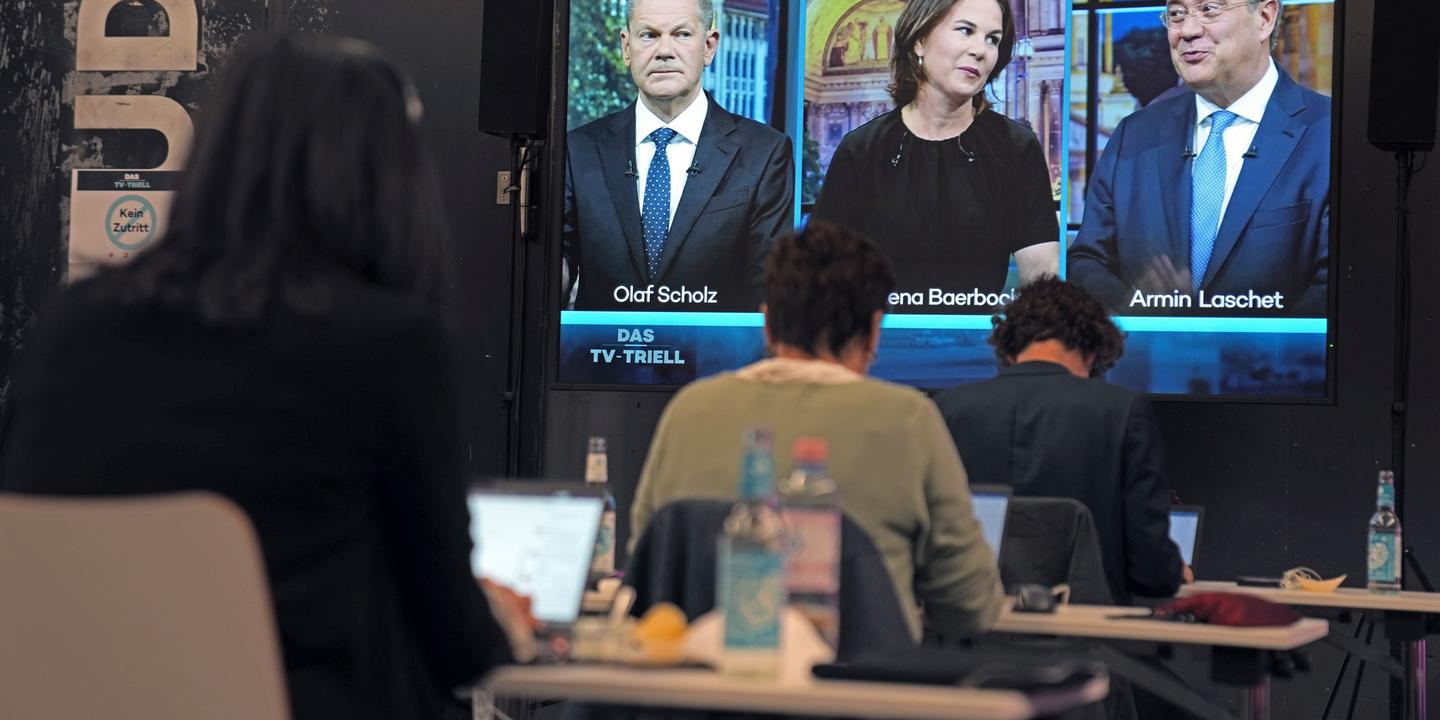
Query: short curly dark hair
point(822, 286)
point(1052, 309)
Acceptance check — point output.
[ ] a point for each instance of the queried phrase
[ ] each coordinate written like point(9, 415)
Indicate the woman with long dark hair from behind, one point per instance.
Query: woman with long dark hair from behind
point(281, 346)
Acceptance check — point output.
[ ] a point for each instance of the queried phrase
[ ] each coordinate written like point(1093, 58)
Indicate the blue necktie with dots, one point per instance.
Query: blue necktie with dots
point(656, 211)
point(1207, 195)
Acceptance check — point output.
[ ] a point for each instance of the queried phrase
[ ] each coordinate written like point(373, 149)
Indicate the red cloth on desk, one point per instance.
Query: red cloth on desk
point(1234, 609)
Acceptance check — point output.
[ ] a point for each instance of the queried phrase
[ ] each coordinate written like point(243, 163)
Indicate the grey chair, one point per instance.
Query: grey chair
point(1049, 541)
point(135, 608)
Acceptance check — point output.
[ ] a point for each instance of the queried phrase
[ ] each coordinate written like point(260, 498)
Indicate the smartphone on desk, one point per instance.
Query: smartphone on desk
point(1157, 614)
point(1257, 581)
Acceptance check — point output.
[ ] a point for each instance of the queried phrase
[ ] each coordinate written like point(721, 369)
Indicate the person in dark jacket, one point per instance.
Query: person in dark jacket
point(1046, 425)
point(281, 346)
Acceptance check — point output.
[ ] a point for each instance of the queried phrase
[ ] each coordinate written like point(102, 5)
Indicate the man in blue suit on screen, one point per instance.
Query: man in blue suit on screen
point(672, 203)
point(1215, 201)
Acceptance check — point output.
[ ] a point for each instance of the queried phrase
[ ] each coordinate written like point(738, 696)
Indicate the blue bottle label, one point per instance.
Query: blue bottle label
point(752, 588)
point(603, 560)
point(1384, 560)
point(1385, 496)
point(757, 478)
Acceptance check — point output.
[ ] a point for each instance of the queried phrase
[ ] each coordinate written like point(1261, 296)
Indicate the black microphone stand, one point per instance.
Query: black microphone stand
point(1405, 631)
point(525, 153)
point(1400, 394)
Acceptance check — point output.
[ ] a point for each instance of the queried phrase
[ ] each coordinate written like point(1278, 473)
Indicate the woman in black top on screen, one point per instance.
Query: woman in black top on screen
point(281, 346)
point(947, 186)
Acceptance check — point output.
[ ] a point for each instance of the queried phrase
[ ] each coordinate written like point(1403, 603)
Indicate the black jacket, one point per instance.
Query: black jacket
point(737, 201)
point(675, 561)
point(339, 436)
point(1045, 432)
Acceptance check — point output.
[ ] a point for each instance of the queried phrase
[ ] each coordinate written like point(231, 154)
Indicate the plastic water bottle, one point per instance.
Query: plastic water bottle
point(810, 507)
point(597, 475)
point(751, 567)
point(1384, 546)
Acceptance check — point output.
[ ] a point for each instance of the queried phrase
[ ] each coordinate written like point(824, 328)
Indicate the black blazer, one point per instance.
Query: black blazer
point(1045, 432)
point(739, 200)
point(337, 433)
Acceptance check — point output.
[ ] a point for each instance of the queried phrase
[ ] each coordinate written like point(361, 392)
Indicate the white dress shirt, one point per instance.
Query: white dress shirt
point(680, 151)
point(1240, 136)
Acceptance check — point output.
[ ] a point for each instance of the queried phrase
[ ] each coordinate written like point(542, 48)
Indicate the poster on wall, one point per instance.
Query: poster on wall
point(117, 213)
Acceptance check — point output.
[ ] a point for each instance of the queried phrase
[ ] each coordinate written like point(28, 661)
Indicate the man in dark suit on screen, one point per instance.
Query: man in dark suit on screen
point(672, 203)
point(1215, 201)
point(1048, 426)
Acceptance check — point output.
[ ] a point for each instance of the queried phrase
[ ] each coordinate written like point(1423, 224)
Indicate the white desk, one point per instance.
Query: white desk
point(1096, 621)
point(1405, 616)
point(1239, 656)
point(1349, 598)
point(699, 689)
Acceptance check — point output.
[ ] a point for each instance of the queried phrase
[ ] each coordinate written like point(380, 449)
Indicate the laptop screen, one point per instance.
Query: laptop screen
point(991, 506)
point(538, 543)
point(1185, 531)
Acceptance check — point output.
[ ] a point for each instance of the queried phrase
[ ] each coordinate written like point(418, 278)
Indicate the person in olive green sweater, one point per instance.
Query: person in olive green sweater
point(890, 452)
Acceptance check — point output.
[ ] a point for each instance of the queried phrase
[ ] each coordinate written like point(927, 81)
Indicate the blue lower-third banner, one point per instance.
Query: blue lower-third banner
point(1282, 357)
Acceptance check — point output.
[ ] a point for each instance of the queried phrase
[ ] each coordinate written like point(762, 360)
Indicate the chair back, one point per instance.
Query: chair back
point(675, 561)
point(135, 608)
point(1051, 540)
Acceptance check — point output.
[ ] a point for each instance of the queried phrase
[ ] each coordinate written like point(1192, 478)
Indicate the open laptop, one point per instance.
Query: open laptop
point(537, 539)
point(1185, 522)
point(992, 506)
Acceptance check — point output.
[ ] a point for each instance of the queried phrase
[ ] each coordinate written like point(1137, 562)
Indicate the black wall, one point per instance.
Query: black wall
point(438, 41)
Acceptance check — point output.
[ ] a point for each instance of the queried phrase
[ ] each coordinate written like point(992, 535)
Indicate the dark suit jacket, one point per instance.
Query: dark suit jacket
point(739, 201)
point(338, 434)
point(1045, 432)
point(1275, 234)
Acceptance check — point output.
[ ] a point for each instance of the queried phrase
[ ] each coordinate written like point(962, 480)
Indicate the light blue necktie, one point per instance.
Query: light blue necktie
point(1207, 194)
point(656, 211)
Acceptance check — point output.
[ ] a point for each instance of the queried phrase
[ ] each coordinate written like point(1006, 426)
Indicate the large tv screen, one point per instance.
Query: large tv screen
point(1086, 155)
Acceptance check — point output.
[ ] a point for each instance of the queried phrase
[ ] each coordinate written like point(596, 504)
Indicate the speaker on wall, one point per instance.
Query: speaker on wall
point(515, 67)
point(1404, 75)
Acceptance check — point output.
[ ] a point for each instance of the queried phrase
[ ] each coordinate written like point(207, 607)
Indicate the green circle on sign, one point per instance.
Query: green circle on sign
point(117, 238)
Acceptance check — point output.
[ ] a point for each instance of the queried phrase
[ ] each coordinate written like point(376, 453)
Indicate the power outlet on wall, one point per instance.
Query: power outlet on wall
point(502, 187)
